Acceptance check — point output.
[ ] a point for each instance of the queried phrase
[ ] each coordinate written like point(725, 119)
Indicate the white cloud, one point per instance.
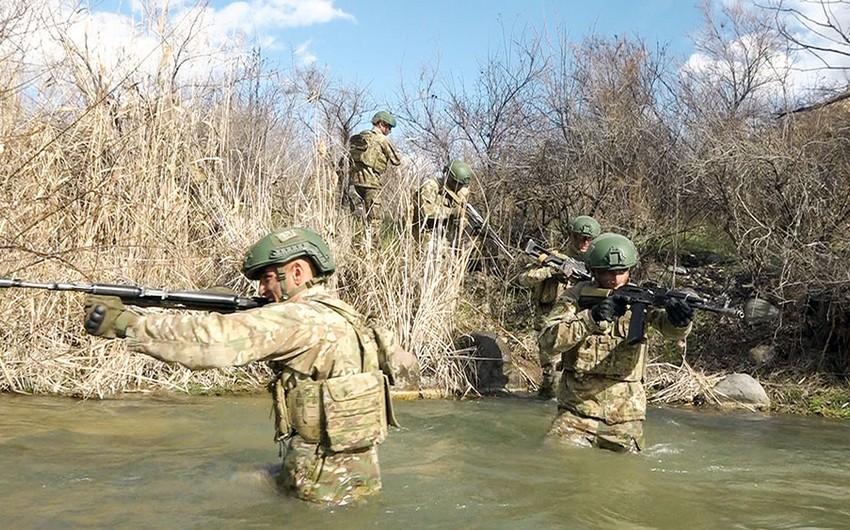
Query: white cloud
point(263, 14)
point(820, 68)
point(204, 40)
point(789, 71)
point(303, 54)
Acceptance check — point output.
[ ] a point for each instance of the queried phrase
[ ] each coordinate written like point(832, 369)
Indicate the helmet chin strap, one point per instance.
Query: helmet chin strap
point(286, 295)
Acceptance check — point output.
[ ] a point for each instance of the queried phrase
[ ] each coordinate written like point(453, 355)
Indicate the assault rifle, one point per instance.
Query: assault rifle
point(480, 226)
point(146, 297)
point(570, 268)
point(641, 298)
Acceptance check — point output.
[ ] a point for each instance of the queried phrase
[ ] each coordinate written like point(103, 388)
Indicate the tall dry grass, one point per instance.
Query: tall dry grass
point(166, 187)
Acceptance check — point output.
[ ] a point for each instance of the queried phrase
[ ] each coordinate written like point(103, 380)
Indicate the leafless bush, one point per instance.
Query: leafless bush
point(166, 185)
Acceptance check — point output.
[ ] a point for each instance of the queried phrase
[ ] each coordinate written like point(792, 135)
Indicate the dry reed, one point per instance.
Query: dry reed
point(167, 187)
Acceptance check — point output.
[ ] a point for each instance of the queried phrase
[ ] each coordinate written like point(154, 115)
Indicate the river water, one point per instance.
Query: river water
point(203, 463)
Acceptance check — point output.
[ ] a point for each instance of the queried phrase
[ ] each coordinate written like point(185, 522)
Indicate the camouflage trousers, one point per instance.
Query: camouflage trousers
point(315, 475)
point(551, 377)
point(582, 431)
point(370, 207)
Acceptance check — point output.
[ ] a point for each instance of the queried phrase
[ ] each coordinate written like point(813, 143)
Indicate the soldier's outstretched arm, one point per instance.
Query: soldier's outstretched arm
point(211, 340)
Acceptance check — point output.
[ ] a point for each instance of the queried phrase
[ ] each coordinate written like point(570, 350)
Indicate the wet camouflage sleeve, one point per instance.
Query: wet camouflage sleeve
point(212, 340)
point(566, 325)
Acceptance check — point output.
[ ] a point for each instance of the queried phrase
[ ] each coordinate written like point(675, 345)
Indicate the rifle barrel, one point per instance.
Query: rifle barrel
point(145, 297)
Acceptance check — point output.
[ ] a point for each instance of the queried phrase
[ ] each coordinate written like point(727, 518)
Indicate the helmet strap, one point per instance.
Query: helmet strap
point(286, 295)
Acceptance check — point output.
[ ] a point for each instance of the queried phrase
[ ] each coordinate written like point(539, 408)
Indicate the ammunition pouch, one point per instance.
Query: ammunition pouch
point(355, 409)
point(346, 413)
point(282, 423)
point(305, 410)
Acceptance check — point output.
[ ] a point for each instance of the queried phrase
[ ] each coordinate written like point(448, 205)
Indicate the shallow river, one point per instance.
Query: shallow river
point(203, 463)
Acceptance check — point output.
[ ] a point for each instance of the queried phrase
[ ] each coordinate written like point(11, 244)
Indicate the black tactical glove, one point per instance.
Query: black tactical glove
point(608, 309)
point(106, 317)
point(679, 312)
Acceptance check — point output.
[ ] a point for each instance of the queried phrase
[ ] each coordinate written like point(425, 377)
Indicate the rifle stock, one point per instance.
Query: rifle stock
point(146, 297)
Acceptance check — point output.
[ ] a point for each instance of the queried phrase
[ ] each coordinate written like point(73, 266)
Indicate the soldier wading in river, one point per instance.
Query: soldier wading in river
point(330, 397)
point(601, 399)
point(547, 286)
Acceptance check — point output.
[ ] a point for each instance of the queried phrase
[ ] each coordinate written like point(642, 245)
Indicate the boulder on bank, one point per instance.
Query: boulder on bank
point(487, 361)
point(740, 391)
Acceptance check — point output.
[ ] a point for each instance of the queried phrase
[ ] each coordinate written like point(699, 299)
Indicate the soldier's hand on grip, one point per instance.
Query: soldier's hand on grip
point(608, 309)
point(106, 317)
point(679, 312)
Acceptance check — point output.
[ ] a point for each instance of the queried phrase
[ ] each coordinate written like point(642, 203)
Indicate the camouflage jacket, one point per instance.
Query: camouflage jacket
point(603, 374)
point(310, 338)
point(437, 204)
point(547, 288)
point(371, 152)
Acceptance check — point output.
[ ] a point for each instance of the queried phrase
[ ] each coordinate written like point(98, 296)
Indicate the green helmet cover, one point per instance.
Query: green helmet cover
point(385, 117)
point(459, 171)
point(285, 245)
point(611, 251)
point(586, 226)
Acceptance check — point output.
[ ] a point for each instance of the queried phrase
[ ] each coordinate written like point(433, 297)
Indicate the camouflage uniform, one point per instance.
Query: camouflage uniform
point(547, 287)
point(311, 341)
point(440, 208)
point(546, 290)
point(371, 153)
point(601, 399)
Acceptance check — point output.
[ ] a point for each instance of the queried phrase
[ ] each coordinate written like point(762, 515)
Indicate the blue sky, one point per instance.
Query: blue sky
point(376, 42)
point(390, 39)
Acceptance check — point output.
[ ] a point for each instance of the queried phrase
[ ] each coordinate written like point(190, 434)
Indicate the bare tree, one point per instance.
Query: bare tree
point(819, 28)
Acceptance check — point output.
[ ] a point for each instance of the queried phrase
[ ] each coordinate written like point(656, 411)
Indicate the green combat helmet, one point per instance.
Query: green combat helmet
point(385, 117)
point(459, 171)
point(283, 246)
point(585, 225)
point(611, 252)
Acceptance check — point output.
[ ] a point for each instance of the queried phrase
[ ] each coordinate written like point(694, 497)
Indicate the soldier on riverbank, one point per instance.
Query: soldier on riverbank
point(601, 399)
point(547, 286)
point(330, 398)
point(370, 153)
point(441, 201)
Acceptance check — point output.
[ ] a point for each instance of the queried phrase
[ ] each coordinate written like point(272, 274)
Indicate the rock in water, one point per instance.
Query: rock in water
point(735, 390)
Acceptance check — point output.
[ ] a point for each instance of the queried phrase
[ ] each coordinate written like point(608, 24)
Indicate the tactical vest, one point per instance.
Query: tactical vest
point(345, 413)
point(366, 151)
point(607, 354)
